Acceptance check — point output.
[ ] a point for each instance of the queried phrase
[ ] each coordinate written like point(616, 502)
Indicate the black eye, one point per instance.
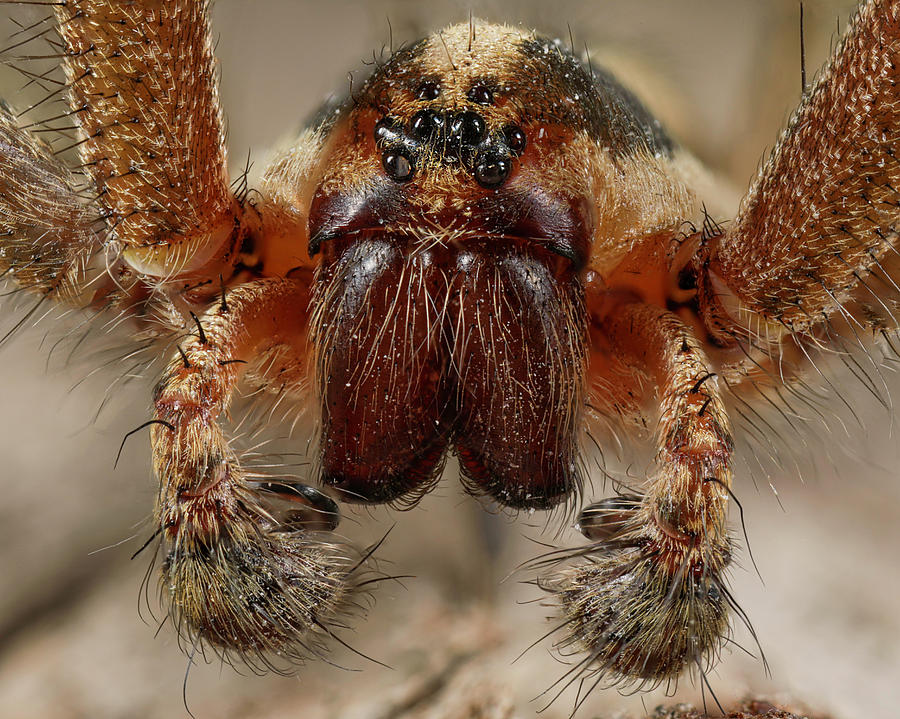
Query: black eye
point(429, 91)
point(515, 138)
point(425, 124)
point(386, 130)
point(481, 95)
point(398, 166)
point(468, 128)
point(492, 173)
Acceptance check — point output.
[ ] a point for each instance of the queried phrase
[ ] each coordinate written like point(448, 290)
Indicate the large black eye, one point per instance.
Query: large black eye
point(387, 130)
point(397, 165)
point(468, 128)
point(492, 172)
point(425, 124)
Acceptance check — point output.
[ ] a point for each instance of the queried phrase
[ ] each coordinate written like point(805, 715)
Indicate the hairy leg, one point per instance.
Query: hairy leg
point(243, 572)
point(142, 87)
point(47, 231)
point(650, 598)
point(815, 242)
point(153, 186)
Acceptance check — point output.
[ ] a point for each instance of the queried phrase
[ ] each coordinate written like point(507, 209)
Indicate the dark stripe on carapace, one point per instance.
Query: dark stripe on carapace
point(586, 98)
point(326, 115)
point(336, 105)
point(403, 72)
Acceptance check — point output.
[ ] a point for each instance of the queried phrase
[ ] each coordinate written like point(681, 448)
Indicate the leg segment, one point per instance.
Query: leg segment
point(242, 572)
point(816, 238)
point(651, 598)
point(143, 90)
point(47, 232)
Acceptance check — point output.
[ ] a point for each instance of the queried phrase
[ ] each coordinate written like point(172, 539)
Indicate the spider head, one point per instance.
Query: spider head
point(452, 136)
point(453, 220)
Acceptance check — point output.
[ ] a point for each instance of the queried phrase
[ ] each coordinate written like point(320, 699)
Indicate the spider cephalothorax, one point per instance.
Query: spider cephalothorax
point(481, 247)
point(457, 193)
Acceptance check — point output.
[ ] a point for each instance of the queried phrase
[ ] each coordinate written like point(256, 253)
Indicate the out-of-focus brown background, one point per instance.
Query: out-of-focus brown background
point(71, 641)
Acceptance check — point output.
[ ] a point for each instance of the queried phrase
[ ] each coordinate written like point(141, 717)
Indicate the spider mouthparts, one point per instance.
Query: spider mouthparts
point(295, 505)
point(404, 382)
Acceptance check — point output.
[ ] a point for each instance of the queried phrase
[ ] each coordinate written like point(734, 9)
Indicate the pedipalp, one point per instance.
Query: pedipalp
point(644, 598)
point(243, 572)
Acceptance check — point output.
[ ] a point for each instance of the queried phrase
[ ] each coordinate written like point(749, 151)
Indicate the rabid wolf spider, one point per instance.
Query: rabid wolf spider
point(486, 247)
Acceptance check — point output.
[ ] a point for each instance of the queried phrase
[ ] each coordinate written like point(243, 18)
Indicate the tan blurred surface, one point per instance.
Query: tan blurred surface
point(71, 642)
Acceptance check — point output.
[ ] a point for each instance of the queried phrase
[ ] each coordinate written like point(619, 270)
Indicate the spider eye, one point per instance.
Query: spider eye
point(515, 139)
point(398, 166)
point(492, 172)
point(425, 124)
point(428, 91)
point(468, 128)
point(481, 95)
point(387, 130)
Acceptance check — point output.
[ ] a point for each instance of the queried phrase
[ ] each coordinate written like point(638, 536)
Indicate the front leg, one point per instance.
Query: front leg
point(143, 89)
point(243, 568)
point(650, 597)
point(813, 251)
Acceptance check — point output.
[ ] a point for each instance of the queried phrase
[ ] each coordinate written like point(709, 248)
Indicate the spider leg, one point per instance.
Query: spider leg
point(47, 230)
point(644, 600)
point(142, 87)
point(813, 252)
point(240, 574)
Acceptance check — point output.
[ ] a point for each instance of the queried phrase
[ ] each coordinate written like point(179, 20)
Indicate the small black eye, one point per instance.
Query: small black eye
point(429, 91)
point(425, 124)
point(515, 139)
point(468, 128)
point(492, 173)
point(386, 130)
point(398, 167)
point(481, 95)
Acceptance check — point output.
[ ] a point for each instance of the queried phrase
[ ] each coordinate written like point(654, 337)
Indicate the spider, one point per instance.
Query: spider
point(482, 198)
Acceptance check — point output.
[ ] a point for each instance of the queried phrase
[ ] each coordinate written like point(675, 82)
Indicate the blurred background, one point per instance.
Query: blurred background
point(724, 75)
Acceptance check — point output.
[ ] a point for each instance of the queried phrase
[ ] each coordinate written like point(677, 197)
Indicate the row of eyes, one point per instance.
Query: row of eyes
point(479, 94)
point(469, 126)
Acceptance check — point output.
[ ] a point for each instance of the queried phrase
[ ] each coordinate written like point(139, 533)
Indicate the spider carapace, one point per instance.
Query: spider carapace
point(484, 246)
